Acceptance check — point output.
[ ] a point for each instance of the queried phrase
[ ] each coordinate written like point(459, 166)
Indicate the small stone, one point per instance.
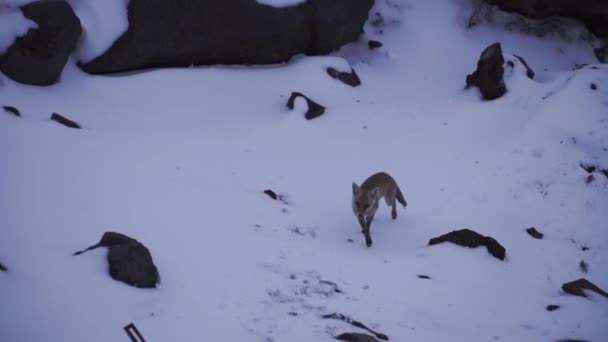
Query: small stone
point(576, 288)
point(535, 233)
point(590, 179)
point(593, 86)
point(584, 266)
point(552, 307)
point(422, 276)
point(588, 167)
point(374, 44)
point(293, 314)
point(271, 194)
point(3, 268)
point(349, 78)
point(64, 121)
point(12, 110)
point(314, 109)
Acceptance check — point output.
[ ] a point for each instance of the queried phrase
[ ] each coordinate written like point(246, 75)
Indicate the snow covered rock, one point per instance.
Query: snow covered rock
point(594, 13)
point(578, 286)
point(488, 76)
point(203, 32)
point(300, 102)
point(472, 239)
point(130, 261)
point(356, 337)
point(349, 78)
point(39, 57)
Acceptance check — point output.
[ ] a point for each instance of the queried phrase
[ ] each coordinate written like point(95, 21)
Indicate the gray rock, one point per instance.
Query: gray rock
point(472, 239)
point(489, 74)
point(314, 109)
point(578, 286)
point(205, 32)
point(130, 261)
point(356, 337)
point(38, 58)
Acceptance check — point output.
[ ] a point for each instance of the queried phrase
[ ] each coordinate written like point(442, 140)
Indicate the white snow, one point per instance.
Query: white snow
point(12, 25)
point(281, 3)
point(103, 22)
point(179, 159)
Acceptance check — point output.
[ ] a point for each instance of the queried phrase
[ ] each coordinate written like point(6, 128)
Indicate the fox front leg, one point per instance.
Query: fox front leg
point(366, 231)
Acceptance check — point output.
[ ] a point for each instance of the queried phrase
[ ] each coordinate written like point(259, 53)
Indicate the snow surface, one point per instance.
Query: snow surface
point(281, 3)
point(12, 25)
point(179, 159)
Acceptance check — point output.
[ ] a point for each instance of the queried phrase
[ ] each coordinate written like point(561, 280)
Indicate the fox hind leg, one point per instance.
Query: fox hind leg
point(390, 201)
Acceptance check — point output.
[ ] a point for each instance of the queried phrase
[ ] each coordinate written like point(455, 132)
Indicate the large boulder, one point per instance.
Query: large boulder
point(38, 57)
point(130, 261)
point(168, 33)
point(594, 13)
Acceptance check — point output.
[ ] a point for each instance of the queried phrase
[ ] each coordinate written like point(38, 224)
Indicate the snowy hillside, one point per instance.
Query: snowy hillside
point(179, 159)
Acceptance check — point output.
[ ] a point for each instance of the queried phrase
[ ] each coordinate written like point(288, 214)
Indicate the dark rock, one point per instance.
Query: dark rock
point(571, 340)
point(38, 57)
point(552, 307)
point(593, 86)
point(130, 261)
point(583, 266)
point(293, 314)
point(590, 179)
point(576, 288)
point(12, 110)
point(529, 71)
point(357, 324)
point(593, 13)
point(605, 172)
point(471, 239)
point(3, 268)
point(356, 337)
point(535, 233)
point(64, 121)
point(422, 276)
point(195, 32)
point(271, 194)
point(349, 78)
point(588, 167)
point(584, 248)
point(489, 74)
point(601, 54)
point(314, 109)
point(374, 44)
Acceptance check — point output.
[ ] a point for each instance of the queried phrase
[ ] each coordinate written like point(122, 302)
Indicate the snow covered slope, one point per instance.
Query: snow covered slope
point(179, 159)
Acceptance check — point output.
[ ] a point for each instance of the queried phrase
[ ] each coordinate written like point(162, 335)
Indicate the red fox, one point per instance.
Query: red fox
point(367, 196)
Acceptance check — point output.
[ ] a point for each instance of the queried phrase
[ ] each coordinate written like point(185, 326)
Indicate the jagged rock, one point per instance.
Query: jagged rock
point(471, 239)
point(130, 261)
point(374, 44)
point(535, 233)
point(349, 78)
point(489, 74)
point(12, 110)
point(576, 288)
point(356, 337)
point(64, 121)
point(196, 32)
point(552, 307)
point(314, 109)
point(38, 57)
point(594, 13)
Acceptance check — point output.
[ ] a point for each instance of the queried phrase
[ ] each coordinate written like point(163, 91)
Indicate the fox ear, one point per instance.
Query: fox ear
point(355, 188)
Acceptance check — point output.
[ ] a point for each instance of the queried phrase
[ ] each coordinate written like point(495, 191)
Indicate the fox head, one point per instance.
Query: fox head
point(364, 201)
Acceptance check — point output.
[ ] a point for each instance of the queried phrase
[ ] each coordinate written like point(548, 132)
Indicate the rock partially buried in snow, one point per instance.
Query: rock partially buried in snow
point(130, 261)
point(64, 121)
point(374, 44)
point(349, 78)
point(196, 32)
point(552, 307)
point(12, 110)
point(534, 233)
point(38, 57)
point(356, 337)
point(313, 109)
point(471, 239)
point(3, 268)
point(578, 286)
point(489, 74)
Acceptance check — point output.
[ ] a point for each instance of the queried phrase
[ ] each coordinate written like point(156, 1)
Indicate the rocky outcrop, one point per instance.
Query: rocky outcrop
point(593, 13)
point(165, 33)
point(471, 239)
point(130, 261)
point(39, 57)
